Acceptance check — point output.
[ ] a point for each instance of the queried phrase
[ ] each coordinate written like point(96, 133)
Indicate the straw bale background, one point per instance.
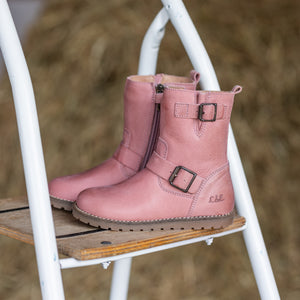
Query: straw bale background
point(79, 54)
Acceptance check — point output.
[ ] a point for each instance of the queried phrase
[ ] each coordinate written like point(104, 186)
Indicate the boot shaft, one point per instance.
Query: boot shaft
point(194, 128)
point(141, 114)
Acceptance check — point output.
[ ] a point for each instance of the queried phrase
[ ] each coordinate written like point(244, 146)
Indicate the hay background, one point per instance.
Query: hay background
point(79, 54)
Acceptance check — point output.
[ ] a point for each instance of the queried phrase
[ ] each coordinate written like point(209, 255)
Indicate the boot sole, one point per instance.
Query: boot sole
point(61, 204)
point(203, 222)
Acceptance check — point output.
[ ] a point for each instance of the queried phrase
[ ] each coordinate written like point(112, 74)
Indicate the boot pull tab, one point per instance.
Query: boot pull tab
point(237, 89)
point(195, 76)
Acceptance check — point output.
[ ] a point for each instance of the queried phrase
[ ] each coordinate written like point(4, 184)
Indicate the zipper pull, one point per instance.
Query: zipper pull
point(159, 88)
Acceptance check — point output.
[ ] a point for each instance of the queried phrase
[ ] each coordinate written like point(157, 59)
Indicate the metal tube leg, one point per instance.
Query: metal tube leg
point(252, 234)
point(192, 43)
point(196, 51)
point(151, 44)
point(253, 237)
point(33, 160)
point(120, 279)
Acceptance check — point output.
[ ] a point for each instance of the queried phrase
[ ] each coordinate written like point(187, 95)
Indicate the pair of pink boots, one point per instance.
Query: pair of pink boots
point(170, 170)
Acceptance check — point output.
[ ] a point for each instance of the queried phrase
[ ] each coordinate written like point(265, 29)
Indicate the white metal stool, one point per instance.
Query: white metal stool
point(41, 233)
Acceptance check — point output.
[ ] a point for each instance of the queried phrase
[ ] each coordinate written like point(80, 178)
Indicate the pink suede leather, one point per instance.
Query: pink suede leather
point(139, 104)
point(198, 146)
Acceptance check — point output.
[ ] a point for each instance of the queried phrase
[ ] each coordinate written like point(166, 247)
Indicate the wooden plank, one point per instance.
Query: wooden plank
point(12, 203)
point(95, 245)
point(66, 224)
point(15, 221)
point(17, 225)
point(84, 242)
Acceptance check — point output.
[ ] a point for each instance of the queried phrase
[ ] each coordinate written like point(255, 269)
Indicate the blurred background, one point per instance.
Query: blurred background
point(79, 54)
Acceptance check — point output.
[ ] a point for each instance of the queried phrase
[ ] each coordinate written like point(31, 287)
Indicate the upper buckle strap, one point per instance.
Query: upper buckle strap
point(205, 112)
point(175, 174)
point(202, 112)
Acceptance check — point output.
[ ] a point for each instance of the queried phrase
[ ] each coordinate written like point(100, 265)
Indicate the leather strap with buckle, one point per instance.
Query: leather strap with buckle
point(201, 112)
point(175, 174)
point(205, 112)
point(179, 177)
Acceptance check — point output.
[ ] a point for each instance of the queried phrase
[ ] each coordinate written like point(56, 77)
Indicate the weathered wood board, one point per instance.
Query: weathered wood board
point(84, 242)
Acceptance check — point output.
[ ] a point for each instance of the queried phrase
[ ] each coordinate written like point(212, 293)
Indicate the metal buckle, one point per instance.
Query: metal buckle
point(174, 175)
point(201, 112)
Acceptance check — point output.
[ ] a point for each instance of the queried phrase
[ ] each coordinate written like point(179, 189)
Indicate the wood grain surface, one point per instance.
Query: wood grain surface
point(83, 242)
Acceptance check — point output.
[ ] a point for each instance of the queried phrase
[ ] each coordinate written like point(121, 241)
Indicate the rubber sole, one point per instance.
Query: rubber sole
point(61, 204)
point(203, 222)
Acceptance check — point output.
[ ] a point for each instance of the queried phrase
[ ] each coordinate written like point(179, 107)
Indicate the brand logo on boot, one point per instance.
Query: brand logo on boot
point(216, 198)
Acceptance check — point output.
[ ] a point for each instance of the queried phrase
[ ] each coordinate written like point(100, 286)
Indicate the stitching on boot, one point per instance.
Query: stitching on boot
point(165, 145)
point(181, 110)
point(207, 179)
point(181, 194)
point(124, 171)
point(199, 127)
point(225, 112)
point(154, 89)
point(62, 199)
point(154, 220)
point(126, 137)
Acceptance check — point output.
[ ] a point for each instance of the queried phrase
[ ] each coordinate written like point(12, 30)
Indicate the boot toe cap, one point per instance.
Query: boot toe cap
point(87, 202)
point(63, 188)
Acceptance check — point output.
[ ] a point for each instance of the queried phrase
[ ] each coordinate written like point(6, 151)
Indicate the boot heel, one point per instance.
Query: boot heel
point(216, 195)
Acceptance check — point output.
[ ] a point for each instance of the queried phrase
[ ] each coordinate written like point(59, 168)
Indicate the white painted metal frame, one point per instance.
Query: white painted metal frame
point(36, 182)
point(178, 15)
point(73, 263)
point(33, 160)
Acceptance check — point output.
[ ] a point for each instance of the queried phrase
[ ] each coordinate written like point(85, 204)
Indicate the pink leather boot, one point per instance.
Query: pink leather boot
point(141, 122)
point(186, 183)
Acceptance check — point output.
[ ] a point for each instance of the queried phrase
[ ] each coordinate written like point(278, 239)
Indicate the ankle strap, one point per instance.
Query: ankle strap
point(128, 158)
point(179, 177)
